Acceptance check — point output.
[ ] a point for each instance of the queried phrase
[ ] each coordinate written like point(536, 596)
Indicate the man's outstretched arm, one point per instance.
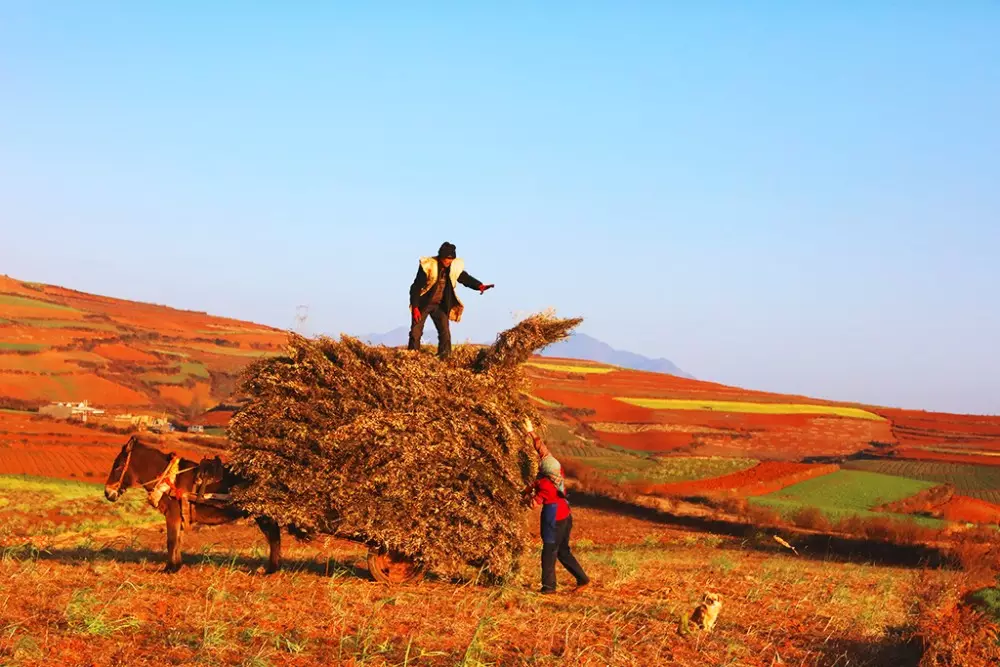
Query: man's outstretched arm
point(472, 283)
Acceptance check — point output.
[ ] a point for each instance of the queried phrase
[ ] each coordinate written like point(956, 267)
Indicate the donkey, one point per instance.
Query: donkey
point(171, 482)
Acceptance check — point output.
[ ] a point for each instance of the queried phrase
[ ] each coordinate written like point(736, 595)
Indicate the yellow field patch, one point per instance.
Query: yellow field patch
point(542, 401)
point(565, 368)
point(748, 407)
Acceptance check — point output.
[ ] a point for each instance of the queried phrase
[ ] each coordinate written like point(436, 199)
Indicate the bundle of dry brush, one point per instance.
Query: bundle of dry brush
point(394, 448)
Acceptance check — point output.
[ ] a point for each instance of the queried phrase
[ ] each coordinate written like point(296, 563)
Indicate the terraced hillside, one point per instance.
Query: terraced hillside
point(57, 344)
point(677, 436)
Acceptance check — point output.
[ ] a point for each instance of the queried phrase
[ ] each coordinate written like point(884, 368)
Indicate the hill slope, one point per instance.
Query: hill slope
point(582, 346)
point(57, 344)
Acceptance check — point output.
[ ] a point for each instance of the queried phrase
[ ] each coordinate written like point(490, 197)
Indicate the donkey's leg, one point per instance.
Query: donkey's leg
point(272, 532)
point(173, 515)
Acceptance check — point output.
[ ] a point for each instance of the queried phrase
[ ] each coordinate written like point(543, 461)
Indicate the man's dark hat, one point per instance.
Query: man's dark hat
point(447, 250)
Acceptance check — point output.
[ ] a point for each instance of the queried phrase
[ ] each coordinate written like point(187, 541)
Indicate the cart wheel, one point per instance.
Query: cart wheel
point(392, 568)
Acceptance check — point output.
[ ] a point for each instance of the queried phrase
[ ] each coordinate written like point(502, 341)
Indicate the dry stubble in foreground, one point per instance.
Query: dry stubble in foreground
point(72, 600)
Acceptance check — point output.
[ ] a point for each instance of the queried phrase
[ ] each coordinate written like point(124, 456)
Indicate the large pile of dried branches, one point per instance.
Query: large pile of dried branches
point(395, 448)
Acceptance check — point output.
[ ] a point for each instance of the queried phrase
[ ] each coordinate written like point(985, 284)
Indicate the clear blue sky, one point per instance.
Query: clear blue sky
point(800, 197)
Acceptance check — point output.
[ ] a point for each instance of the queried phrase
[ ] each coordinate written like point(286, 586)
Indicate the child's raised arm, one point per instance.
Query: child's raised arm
point(540, 447)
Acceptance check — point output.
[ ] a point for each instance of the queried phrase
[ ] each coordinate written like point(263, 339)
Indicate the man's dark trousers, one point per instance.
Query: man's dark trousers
point(560, 549)
point(440, 318)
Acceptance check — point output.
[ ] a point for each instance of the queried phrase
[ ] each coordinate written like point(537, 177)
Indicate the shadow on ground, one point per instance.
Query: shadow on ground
point(898, 649)
point(138, 555)
point(810, 545)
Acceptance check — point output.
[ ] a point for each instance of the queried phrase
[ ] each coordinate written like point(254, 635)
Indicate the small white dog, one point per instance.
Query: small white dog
point(705, 614)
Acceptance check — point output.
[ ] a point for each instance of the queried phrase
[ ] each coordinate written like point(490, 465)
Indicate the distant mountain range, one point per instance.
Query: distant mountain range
point(577, 346)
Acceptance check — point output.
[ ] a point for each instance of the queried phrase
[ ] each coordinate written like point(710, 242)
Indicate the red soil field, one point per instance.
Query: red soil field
point(914, 428)
point(765, 477)
point(14, 311)
point(566, 361)
point(120, 352)
point(89, 463)
point(229, 363)
point(53, 337)
point(80, 463)
point(635, 383)
point(219, 418)
point(971, 510)
point(785, 437)
point(47, 362)
point(829, 436)
point(23, 429)
point(34, 445)
point(194, 334)
point(99, 391)
point(925, 455)
point(183, 396)
point(606, 408)
point(648, 441)
point(660, 385)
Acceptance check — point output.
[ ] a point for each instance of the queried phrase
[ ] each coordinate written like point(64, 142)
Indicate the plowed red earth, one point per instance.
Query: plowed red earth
point(183, 396)
point(68, 462)
point(119, 352)
point(86, 463)
point(139, 335)
point(72, 387)
point(972, 510)
point(649, 441)
point(925, 455)
point(148, 331)
point(605, 408)
point(765, 477)
point(216, 418)
point(660, 385)
point(53, 337)
point(786, 437)
point(68, 450)
point(917, 428)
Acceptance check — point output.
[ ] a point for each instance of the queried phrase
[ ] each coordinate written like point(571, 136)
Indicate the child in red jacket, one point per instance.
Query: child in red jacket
point(549, 491)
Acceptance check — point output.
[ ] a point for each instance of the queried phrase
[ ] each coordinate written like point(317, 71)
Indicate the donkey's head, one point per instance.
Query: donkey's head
point(121, 476)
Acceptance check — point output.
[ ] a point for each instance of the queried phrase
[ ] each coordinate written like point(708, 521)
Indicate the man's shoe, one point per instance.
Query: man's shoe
point(580, 586)
point(547, 591)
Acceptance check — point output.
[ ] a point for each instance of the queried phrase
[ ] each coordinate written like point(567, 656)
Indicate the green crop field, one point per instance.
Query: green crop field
point(172, 353)
point(750, 407)
point(846, 492)
point(39, 323)
point(565, 368)
point(233, 351)
point(686, 469)
point(187, 370)
point(27, 500)
point(628, 466)
point(542, 401)
point(22, 347)
point(981, 482)
point(66, 383)
point(195, 369)
point(163, 378)
point(24, 302)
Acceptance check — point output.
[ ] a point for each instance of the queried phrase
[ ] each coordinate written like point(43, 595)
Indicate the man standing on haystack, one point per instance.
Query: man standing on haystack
point(432, 294)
